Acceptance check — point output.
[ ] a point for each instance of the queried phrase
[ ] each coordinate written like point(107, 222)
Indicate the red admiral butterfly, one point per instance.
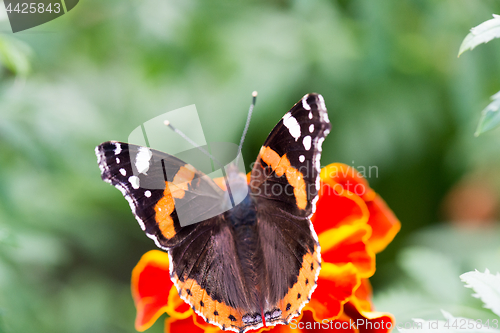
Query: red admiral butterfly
point(256, 264)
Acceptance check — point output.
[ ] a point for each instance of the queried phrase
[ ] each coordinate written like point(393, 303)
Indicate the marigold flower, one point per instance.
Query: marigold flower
point(353, 223)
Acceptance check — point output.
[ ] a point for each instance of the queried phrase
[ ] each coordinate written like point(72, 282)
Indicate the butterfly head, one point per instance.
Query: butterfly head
point(237, 182)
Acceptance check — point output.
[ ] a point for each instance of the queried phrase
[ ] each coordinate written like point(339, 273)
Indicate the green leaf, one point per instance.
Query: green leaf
point(490, 117)
point(483, 33)
point(14, 55)
point(487, 288)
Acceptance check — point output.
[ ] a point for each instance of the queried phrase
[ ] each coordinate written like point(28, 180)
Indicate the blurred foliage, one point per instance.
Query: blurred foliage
point(14, 54)
point(399, 99)
point(438, 286)
point(425, 278)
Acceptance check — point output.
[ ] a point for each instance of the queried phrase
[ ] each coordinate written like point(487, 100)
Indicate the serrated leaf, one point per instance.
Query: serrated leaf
point(490, 117)
point(487, 288)
point(483, 33)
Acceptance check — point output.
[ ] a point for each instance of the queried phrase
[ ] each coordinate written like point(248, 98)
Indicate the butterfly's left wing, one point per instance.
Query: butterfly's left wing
point(285, 183)
point(162, 190)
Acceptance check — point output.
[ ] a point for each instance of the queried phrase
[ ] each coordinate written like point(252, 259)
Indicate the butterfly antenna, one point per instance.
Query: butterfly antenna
point(249, 116)
point(185, 137)
point(216, 161)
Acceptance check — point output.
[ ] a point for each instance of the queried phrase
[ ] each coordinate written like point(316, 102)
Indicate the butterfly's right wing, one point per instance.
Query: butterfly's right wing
point(288, 166)
point(285, 184)
point(165, 194)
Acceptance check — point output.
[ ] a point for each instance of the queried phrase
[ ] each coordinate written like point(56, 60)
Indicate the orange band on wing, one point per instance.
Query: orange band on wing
point(212, 310)
point(281, 166)
point(181, 180)
point(271, 158)
point(175, 189)
point(300, 291)
point(163, 208)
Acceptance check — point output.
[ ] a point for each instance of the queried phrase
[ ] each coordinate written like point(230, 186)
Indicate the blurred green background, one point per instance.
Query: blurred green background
point(398, 97)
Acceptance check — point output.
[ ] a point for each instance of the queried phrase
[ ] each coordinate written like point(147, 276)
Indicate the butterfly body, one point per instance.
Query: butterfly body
point(242, 266)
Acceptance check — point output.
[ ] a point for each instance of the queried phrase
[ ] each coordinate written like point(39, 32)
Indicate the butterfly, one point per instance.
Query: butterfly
point(252, 265)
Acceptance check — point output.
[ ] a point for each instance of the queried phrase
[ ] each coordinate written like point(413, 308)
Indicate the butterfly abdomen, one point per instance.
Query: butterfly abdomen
point(242, 219)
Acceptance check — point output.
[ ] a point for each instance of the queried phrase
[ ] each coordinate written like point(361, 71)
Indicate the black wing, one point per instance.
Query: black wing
point(165, 194)
point(287, 168)
point(284, 184)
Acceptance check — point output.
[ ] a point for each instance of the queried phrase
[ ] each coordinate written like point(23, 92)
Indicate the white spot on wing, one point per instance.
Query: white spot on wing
point(117, 160)
point(100, 161)
point(324, 117)
point(118, 148)
point(311, 128)
point(147, 194)
point(293, 126)
point(314, 201)
point(310, 115)
point(307, 142)
point(304, 103)
point(134, 181)
point(322, 105)
point(123, 172)
point(320, 143)
point(142, 160)
point(317, 162)
point(302, 158)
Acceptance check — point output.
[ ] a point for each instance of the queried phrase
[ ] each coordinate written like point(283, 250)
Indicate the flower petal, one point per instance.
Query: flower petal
point(336, 284)
point(186, 325)
point(337, 207)
point(176, 307)
point(347, 244)
point(344, 178)
point(384, 223)
point(348, 178)
point(369, 321)
point(363, 296)
point(151, 287)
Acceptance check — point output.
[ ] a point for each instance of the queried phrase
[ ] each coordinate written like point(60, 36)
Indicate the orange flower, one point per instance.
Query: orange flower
point(353, 223)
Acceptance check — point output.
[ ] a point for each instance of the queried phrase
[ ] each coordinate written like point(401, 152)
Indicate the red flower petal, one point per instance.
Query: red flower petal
point(369, 322)
point(188, 325)
point(348, 178)
point(349, 183)
point(150, 288)
point(177, 308)
point(363, 296)
point(337, 207)
point(347, 244)
point(154, 292)
point(335, 286)
point(384, 223)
